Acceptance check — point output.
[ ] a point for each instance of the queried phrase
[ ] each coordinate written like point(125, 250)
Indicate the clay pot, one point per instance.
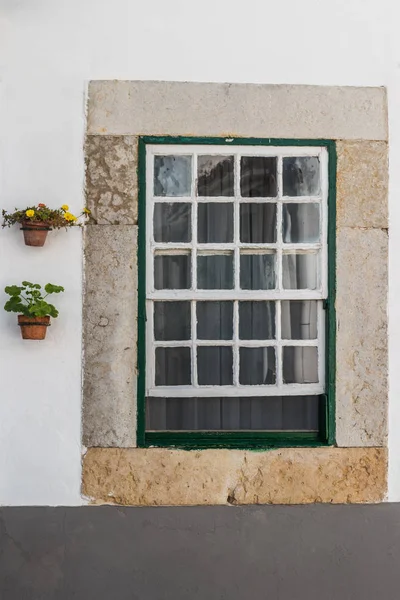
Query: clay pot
point(35, 232)
point(33, 328)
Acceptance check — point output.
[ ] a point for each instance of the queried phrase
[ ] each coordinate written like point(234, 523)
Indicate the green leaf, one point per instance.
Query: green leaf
point(13, 290)
point(32, 302)
point(14, 305)
point(42, 308)
point(53, 289)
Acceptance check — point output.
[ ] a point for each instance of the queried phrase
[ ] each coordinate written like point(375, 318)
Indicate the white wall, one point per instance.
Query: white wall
point(49, 49)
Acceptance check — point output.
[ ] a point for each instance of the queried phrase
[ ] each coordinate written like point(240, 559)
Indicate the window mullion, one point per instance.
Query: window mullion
point(236, 239)
point(279, 365)
point(194, 272)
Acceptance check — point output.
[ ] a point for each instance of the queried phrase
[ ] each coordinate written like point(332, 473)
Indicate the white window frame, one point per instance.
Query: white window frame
point(236, 294)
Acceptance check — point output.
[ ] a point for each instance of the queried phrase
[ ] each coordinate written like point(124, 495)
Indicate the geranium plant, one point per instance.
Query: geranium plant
point(29, 300)
point(38, 220)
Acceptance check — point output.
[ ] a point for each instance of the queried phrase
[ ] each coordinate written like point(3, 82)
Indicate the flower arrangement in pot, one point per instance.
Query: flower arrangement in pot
point(38, 220)
point(29, 301)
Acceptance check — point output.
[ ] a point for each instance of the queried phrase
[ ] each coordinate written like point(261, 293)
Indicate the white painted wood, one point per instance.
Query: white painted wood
point(226, 391)
point(236, 294)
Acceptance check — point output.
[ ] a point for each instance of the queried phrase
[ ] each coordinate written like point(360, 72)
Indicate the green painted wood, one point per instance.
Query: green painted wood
point(238, 440)
point(141, 348)
point(331, 308)
point(245, 440)
point(231, 141)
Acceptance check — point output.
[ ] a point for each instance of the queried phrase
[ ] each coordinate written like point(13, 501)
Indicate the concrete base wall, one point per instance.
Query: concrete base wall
point(213, 553)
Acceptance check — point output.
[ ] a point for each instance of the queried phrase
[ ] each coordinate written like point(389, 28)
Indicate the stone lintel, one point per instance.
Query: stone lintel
point(234, 109)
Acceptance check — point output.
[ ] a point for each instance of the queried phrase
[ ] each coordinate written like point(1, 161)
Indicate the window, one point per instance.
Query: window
point(234, 270)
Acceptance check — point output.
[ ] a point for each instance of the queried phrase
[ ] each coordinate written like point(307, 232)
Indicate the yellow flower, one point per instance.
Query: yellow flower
point(65, 207)
point(69, 217)
point(30, 213)
point(86, 211)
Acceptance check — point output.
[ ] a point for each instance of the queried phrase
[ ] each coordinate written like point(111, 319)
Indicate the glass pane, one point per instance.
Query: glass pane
point(215, 272)
point(300, 364)
point(256, 320)
point(173, 366)
point(300, 271)
point(287, 413)
point(215, 222)
point(172, 222)
point(214, 365)
point(301, 176)
point(214, 320)
point(257, 366)
point(172, 271)
point(257, 223)
point(299, 319)
point(257, 271)
point(258, 176)
point(301, 222)
point(215, 176)
point(172, 175)
point(171, 321)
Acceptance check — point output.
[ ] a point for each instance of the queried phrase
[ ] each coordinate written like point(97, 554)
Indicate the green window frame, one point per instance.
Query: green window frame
point(245, 439)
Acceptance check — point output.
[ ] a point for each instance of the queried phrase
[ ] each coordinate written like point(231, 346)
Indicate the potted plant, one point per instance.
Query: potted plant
point(38, 220)
point(34, 312)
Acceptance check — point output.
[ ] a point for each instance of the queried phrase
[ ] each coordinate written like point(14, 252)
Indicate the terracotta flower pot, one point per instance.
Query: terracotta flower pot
point(33, 328)
point(35, 232)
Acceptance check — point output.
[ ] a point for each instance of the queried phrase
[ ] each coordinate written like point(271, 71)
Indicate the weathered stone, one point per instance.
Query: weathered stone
point(111, 179)
point(362, 361)
point(287, 476)
point(224, 109)
point(362, 184)
point(109, 335)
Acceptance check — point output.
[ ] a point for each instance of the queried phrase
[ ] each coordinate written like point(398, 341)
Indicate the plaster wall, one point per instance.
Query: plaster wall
point(49, 50)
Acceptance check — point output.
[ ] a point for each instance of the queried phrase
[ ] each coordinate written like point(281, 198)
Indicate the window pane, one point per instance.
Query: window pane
point(257, 366)
point(215, 222)
point(301, 176)
point(256, 320)
point(301, 271)
point(214, 320)
point(171, 321)
point(258, 176)
point(301, 222)
point(257, 271)
point(173, 366)
point(172, 175)
point(172, 271)
point(257, 223)
point(299, 319)
point(290, 413)
point(215, 176)
point(300, 364)
point(214, 365)
point(172, 222)
point(215, 272)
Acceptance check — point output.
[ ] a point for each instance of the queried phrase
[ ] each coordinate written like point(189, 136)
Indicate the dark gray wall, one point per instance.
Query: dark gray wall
point(208, 553)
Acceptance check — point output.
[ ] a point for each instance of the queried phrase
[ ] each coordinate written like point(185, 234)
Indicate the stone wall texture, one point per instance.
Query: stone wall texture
point(226, 109)
point(111, 180)
point(109, 336)
point(287, 476)
point(355, 472)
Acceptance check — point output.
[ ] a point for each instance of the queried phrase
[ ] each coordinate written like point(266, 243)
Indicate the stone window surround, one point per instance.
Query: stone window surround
point(113, 469)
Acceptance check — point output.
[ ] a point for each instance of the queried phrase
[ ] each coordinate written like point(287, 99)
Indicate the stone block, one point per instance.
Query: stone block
point(361, 349)
point(154, 476)
point(362, 184)
point(226, 109)
point(111, 179)
point(109, 336)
